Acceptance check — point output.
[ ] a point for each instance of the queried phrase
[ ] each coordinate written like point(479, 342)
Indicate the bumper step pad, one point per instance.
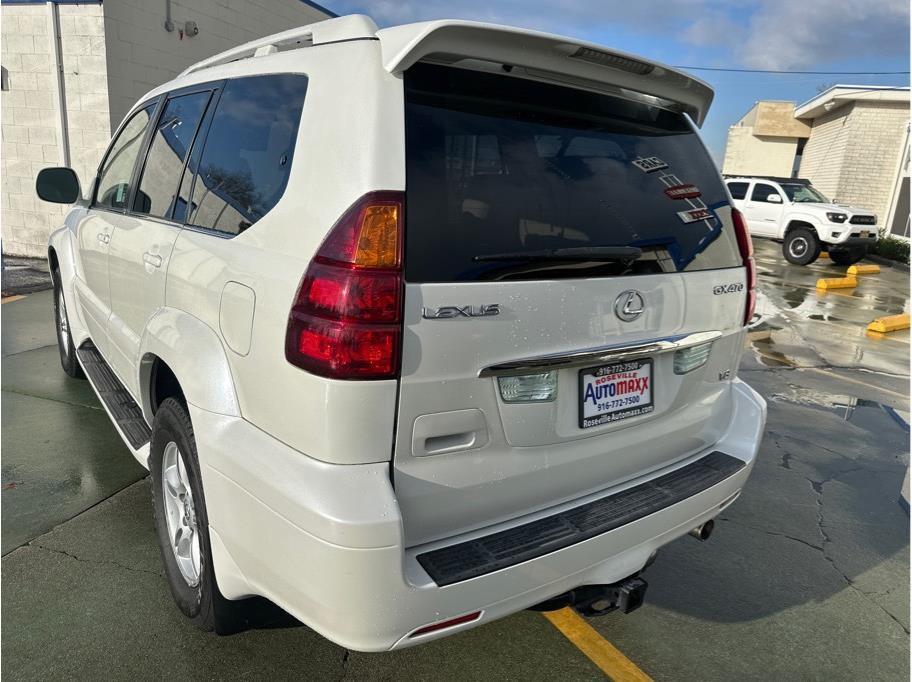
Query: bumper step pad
point(490, 553)
point(117, 399)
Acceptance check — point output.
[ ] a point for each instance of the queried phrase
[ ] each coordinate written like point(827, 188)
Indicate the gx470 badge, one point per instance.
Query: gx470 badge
point(732, 288)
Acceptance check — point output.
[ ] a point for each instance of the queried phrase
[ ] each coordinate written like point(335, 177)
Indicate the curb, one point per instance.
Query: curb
point(886, 262)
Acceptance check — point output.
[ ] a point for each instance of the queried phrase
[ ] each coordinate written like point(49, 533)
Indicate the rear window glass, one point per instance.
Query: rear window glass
point(738, 190)
point(247, 155)
point(501, 166)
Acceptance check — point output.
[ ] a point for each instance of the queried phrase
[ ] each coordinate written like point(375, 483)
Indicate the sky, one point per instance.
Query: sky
point(782, 35)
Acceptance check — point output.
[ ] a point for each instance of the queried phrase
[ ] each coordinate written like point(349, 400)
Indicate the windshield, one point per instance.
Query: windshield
point(806, 194)
point(498, 165)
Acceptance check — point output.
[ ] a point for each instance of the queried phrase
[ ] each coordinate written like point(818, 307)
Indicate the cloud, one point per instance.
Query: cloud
point(790, 34)
point(765, 34)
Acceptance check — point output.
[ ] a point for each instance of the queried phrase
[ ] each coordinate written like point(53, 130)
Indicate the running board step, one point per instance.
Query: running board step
point(489, 553)
point(117, 399)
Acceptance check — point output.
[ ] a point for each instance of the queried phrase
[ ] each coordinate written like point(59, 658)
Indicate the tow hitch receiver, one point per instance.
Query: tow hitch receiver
point(597, 600)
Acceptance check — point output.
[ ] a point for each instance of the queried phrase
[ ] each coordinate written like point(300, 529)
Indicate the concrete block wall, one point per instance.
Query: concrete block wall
point(824, 153)
point(141, 54)
point(31, 120)
point(29, 128)
point(872, 155)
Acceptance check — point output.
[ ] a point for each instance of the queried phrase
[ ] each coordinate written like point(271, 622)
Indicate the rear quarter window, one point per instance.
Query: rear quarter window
point(497, 164)
point(243, 169)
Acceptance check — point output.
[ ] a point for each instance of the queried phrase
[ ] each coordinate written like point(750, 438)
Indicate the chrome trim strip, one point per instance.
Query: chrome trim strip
point(596, 356)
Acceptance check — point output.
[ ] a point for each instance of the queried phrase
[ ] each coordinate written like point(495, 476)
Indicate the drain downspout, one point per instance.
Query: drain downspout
point(63, 138)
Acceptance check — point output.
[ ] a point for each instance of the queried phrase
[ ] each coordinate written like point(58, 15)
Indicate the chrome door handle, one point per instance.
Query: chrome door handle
point(152, 259)
point(104, 237)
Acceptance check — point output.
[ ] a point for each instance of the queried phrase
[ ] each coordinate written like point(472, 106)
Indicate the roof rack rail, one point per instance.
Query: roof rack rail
point(775, 178)
point(352, 27)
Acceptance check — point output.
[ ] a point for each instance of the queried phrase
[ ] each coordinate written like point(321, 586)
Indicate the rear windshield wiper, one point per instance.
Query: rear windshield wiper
point(580, 253)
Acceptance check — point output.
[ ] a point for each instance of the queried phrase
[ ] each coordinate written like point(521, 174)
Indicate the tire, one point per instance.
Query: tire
point(64, 337)
point(848, 256)
point(801, 246)
point(176, 486)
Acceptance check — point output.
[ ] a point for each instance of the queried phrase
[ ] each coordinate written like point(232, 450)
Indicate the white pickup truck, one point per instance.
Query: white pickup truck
point(790, 210)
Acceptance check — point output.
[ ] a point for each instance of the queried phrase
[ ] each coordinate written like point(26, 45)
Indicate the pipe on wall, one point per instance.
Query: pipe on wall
point(63, 138)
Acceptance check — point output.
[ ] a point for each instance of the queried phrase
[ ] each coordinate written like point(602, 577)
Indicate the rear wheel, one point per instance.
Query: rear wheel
point(64, 337)
point(848, 256)
point(182, 525)
point(801, 246)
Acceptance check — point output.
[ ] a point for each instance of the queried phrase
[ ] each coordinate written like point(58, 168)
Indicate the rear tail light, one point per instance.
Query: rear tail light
point(746, 247)
point(346, 321)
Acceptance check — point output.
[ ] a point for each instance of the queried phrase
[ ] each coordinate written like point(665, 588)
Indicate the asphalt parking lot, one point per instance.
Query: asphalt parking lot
point(806, 576)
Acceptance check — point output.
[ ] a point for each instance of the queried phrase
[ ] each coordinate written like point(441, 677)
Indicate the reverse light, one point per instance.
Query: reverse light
point(688, 359)
point(346, 321)
point(746, 247)
point(837, 217)
point(528, 388)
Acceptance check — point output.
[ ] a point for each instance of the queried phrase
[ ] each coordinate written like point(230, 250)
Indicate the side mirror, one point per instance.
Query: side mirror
point(57, 185)
point(774, 199)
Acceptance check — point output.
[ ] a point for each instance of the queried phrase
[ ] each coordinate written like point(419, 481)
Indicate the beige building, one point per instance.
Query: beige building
point(851, 142)
point(72, 70)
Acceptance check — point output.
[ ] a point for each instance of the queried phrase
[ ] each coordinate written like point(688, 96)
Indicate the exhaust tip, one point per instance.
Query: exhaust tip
point(703, 531)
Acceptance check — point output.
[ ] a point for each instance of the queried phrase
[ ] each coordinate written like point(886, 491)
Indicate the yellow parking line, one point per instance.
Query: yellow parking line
point(598, 649)
point(10, 299)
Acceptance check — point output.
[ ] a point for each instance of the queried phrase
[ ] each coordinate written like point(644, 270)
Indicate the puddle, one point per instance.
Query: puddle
point(859, 411)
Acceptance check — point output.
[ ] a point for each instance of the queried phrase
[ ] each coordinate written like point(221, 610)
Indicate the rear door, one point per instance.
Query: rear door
point(141, 244)
point(559, 246)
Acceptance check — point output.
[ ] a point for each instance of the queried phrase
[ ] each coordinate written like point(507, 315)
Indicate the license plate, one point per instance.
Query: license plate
point(611, 393)
point(864, 234)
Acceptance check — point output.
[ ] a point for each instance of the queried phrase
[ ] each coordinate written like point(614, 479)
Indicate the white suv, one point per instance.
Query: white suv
point(414, 327)
point(806, 222)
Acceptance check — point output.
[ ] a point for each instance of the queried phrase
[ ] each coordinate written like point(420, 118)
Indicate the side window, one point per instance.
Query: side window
point(738, 190)
point(117, 169)
point(165, 161)
point(247, 154)
point(763, 192)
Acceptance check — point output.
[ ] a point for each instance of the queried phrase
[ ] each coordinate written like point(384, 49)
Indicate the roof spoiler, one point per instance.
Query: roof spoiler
point(544, 56)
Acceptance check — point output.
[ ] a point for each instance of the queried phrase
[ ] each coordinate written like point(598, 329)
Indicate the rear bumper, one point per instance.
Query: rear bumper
point(325, 541)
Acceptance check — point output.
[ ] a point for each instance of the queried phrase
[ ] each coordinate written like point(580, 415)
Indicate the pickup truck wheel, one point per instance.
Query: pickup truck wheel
point(181, 521)
point(848, 256)
point(801, 246)
point(64, 337)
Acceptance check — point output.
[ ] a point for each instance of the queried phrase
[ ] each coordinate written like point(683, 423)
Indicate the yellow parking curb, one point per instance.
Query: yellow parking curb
point(863, 270)
point(824, 254)
point(837, 283)
point(891, 323)
point(598, 649)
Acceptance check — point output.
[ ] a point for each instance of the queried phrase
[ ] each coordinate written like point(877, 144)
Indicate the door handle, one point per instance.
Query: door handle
point(152, 259)
point(104, 237)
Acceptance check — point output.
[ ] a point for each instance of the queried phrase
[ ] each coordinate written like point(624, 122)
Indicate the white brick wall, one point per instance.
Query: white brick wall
point(853, 152)
point(112, 55)
point(30, 118)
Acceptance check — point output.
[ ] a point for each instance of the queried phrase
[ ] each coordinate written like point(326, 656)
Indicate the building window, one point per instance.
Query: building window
point(4, 79)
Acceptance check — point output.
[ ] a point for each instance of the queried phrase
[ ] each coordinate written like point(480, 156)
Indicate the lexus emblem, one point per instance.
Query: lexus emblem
point(629, 305)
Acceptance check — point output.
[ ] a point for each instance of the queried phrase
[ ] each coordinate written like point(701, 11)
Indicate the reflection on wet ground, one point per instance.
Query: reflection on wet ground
point(802, 326)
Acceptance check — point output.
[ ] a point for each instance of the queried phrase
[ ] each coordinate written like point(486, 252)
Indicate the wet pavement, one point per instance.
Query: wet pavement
point(806, 576)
